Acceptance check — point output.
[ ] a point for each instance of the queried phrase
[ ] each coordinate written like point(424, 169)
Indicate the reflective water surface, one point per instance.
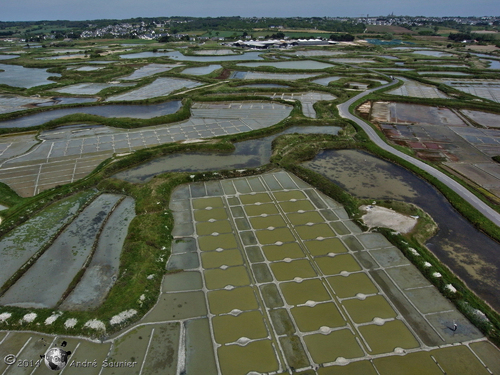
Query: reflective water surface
point(472, 255)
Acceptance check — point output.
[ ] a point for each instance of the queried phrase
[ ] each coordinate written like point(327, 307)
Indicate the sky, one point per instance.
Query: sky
point(35, 10)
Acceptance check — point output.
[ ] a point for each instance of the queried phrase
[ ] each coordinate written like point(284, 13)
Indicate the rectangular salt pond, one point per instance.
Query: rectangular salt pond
point(265, 75)
point(483, 118)
point(160, 87)
point(149, 70)
point(68, 253)
point(487, 89)
point(494, 64)
point(90, 88)
point(12, 103)
point(19, 245)
point(433, 53)
point(418, 90)
point(8, 57)
point(334, 307)
point(201, 70)
point(66, 100)
point(103, 269)
point(300, 65)
point(19, 76)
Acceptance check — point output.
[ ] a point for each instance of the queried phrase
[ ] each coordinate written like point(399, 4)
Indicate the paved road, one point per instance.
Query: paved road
point(452, 184)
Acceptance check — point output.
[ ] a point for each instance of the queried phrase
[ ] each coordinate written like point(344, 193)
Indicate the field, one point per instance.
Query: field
point(389, 29)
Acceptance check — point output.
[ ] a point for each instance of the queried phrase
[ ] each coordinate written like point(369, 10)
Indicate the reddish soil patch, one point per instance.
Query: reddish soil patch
point(433, 146)
point(392, 133)
point(431, 156)
point(451, 157)
point(416, 145)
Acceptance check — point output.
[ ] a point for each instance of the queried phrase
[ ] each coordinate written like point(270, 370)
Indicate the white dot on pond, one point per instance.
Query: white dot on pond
point(325, 329)
point(361, 296)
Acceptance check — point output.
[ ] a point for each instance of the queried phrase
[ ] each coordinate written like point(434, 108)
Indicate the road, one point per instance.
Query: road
point(486, 210)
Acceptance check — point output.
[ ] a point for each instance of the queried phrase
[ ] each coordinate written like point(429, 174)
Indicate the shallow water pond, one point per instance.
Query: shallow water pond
point(133, 111)
point(44, 283)
point(472, 255)
point(8, 57)
point(201, 70)
point(494, 64)
point(102, 271)
point(19, 245)
point(19, 76)
point(90, 88)
point(248, 154)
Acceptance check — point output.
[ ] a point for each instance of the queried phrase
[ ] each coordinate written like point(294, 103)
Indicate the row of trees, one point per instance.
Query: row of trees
point(458, 37)
point(239, 23)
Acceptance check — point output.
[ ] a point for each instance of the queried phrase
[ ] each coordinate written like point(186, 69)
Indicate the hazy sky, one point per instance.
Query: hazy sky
point(30, 10)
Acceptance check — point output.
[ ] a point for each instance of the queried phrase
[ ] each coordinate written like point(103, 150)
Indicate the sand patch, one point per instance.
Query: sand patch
point(384, 217)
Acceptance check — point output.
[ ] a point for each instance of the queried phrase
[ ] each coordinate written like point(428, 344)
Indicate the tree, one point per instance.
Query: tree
point(342, 37)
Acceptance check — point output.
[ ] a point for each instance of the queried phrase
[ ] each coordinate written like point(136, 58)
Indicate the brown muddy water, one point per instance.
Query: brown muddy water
point(472, 255)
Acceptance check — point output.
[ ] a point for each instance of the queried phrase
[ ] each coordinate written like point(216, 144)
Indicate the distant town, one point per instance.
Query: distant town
point(234, 28)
